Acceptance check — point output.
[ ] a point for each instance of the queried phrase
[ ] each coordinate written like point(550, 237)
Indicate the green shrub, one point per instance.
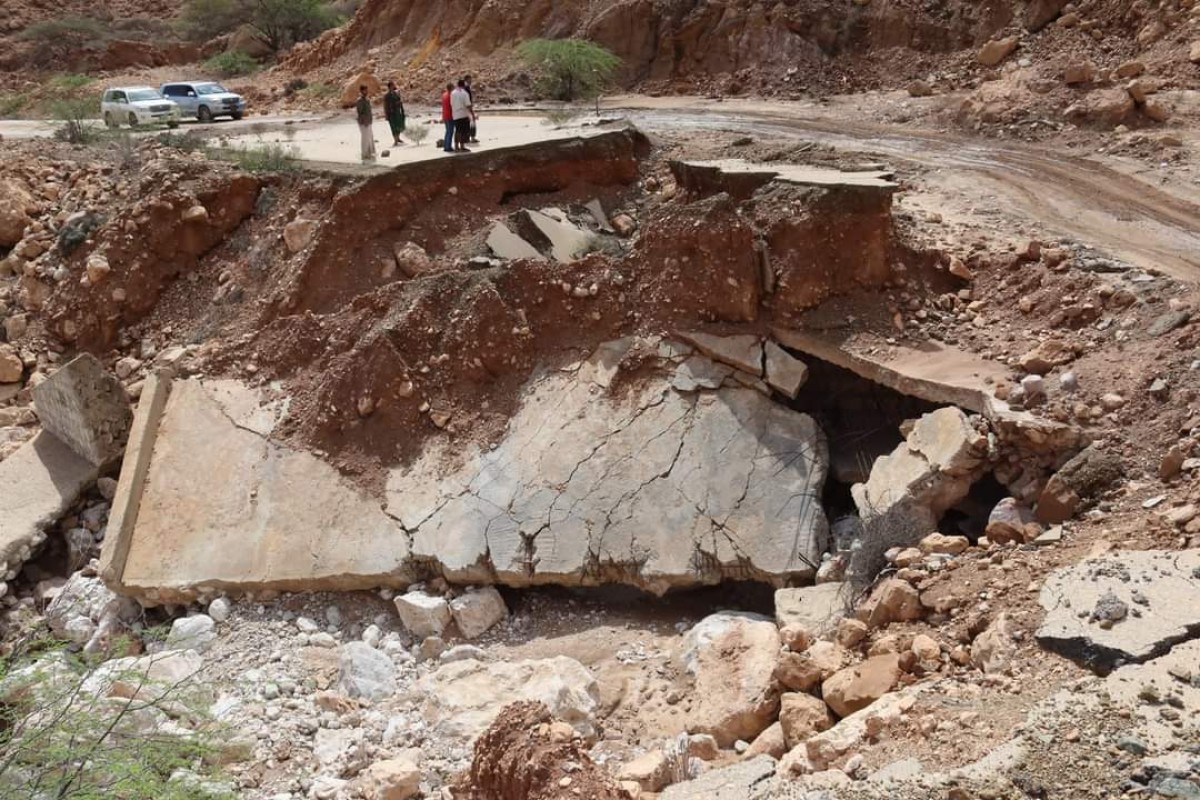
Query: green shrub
point(283, 23)
point(11, 105)
point(188, 141)
point(558, 117)
point(271, 157)
point(418, 132)
point(568, 69)
point(62, 738)
point(231, 64)
point(69, 82)
point(320, 91)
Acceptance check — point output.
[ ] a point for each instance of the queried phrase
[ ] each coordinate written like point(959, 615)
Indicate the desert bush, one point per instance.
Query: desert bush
point(69, 82)
point(231, 64)
point(63, 736)
point(188, 141)
point(558, 117)
point(76, 115)
point(569, 69)
point(320, 91)
point(272, 157)
point(417, 132)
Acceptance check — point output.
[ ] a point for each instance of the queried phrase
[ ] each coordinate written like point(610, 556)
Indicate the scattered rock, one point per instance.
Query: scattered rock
point(397, 778)
point(814, 609)
point(854, 688)
point(476, 612)
point(11, 366)
point(894, 600)
point(298, 234)
point(993, 650)
point(801, 716)
point(995, 51)
point(365, 672)
point(196, 632)
point(1046, 356)
point(1010, 521)
point(941, 543)
point(1079, 479)
point(423, 614)
point(650, 771)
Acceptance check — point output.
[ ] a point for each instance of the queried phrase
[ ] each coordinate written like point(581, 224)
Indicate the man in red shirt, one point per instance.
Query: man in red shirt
point(448, 119)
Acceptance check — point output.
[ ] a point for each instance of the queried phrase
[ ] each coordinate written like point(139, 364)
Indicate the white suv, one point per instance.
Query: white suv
point(137, 105)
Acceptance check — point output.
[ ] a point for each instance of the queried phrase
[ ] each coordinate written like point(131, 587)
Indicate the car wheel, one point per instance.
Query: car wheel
point(237, 115)
point(133, 121)
point(172, 124)
point(204, 115)
point(110, 122)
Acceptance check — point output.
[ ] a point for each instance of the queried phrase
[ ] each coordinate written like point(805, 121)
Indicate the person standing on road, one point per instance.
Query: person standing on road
point(365, 128)
point(460, 106)
point(448, 118)
point(474, 116)
point(393, 109)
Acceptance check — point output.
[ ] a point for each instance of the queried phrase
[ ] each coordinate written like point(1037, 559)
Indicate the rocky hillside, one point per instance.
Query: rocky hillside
point(723, 45)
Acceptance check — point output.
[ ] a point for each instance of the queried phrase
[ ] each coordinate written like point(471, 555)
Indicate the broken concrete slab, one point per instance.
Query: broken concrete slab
point(698, 372)
point(736, 782)
point(718, 485)
point(929, 472)
point(560, 239)
point(817, 609)
point(38, 483)
point(1122, 609)
point(786, 374)
point(225, 507)
point(596, 209)
point(86, 407)
point(740, 178)
point(743, 351)
point(934, 372)
point(507, 245)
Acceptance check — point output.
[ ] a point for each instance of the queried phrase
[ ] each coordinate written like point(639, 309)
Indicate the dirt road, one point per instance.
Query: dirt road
point(1045, 192)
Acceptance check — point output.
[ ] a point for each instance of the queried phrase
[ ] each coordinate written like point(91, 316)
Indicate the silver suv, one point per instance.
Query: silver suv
point(204, 100)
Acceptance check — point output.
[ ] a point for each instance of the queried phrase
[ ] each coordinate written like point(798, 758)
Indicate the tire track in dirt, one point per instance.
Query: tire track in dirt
point(1069, 196)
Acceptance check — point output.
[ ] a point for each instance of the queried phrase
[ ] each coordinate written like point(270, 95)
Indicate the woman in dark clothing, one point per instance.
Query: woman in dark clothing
point(393, 109)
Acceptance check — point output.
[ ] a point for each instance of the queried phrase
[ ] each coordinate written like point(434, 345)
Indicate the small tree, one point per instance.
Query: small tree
point(418, 132)
point(282, 23)
point(569, 69)
point(231, 64)
point(201, 20)
point(76, 115)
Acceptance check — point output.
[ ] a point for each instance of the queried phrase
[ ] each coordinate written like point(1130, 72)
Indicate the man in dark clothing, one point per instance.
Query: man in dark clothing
point(363, 109)
point(393, 109)
point(448, 119)
point(474, 115)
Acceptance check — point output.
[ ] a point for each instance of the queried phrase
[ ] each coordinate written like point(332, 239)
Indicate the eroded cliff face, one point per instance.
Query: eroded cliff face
point(665, 40)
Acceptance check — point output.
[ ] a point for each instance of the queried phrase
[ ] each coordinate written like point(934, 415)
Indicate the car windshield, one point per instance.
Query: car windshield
point(143, 94)
point(210, 88)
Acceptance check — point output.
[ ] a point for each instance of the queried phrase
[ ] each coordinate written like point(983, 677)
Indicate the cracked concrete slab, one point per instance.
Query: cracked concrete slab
point(1122, 609)
point(653, 488)
point(743, 351)
point(224, 507)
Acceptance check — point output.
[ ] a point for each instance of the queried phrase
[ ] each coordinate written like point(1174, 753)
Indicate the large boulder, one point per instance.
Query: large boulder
point(463, 698)
point(816, 609)
point(802, 715)
point(732, 657)
point(350, 91)
point(725, 484)
point(1076, 482)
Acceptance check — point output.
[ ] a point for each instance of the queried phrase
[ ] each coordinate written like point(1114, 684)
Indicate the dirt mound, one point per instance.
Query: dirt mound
point(525, 755)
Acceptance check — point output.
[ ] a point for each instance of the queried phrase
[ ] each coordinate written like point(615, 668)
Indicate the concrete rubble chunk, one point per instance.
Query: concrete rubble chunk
point(423, 614)
point(817, 609)
point(477, 612)
point(743, 351)
point(38, 483)
point(785, 373)
point(192, 633)
point(596, 209)
point(736, 782)
point(463, 698)
point(507, 245)
point(85, 406)
point(1158, 592)
point(724, 482)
